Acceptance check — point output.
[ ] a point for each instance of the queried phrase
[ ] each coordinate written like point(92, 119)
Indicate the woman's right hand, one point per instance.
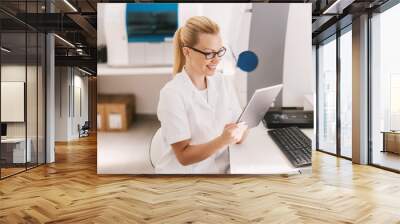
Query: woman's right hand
point(230, 134)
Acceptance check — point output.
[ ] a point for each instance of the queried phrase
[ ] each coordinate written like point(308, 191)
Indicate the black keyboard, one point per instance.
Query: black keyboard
point(294, 144)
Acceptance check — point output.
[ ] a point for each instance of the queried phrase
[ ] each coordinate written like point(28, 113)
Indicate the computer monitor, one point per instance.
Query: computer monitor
point(3, 129)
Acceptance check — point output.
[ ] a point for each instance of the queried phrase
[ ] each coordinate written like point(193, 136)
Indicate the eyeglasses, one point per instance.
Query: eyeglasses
point(210, 55)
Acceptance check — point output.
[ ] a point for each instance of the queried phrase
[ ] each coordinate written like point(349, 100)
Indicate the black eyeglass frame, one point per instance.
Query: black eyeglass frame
point(213, 53)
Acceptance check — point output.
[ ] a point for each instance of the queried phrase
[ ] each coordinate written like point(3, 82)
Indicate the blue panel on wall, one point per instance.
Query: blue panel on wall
point(151, 22)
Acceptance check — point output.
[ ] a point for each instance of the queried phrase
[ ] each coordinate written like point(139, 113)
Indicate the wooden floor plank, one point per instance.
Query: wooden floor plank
point(70, 191)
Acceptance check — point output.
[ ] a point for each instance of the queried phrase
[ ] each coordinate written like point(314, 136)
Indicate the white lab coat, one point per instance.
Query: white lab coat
point(185, 114)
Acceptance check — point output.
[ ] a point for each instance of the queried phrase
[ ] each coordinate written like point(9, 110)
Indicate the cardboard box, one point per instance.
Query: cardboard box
point(116, 112)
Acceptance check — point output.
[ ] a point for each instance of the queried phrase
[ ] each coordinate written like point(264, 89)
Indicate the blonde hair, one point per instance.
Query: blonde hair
point(188, 35)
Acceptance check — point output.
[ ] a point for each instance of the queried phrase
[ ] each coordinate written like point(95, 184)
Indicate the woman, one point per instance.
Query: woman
point(197, 108)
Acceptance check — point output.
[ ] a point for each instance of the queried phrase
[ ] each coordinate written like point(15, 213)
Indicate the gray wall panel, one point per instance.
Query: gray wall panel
point(267, 40)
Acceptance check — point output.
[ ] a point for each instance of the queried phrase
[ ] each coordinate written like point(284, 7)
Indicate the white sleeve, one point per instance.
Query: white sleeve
point(234, 104)
point(172, 115)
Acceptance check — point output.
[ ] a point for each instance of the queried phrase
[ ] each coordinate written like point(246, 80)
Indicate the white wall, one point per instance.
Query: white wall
point(66, 120)
point(146, 89)
point(280, 35)
point(84, 84)
point(298, 75)
point(79, 117)
point(314, 98)
point(61, 103)
point(101, 39)
point(314, 74)
point(33, 126)
point(239, 42)
point(115, 33)
point(17, 73)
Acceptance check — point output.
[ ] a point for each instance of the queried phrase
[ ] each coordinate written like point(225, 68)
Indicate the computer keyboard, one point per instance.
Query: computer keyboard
point(294, 144)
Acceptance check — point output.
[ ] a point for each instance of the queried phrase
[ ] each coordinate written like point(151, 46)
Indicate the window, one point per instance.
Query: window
point(334, 106)
point(346, 75)
point(385, 86)
point(22, 78)
point(327, 96)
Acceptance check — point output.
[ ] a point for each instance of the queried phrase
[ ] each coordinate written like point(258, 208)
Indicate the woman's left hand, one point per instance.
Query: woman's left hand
point(242, 132)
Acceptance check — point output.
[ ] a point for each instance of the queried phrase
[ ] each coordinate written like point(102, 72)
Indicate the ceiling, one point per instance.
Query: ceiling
point(76, 25)
point(76, 20)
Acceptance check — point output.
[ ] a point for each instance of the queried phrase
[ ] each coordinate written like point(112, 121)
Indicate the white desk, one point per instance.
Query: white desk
point(19, 155)
point(259, 154)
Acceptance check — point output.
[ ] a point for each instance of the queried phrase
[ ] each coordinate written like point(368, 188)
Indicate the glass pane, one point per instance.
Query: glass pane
point(31, 100)
point(13, 87)
point(386, 89)
point(31, 86)
point(346, 94)
point(327, 97)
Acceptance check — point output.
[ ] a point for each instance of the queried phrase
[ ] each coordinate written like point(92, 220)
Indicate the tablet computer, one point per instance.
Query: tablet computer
point(258, 105)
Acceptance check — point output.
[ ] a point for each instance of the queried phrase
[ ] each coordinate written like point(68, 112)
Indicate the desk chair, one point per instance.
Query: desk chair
point(155, 148)
point(84, 130)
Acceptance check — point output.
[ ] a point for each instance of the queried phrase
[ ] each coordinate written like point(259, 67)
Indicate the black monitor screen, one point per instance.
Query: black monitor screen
point(3, 129)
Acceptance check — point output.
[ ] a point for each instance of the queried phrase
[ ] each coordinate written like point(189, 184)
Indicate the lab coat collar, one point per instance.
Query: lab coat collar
point(211, 89)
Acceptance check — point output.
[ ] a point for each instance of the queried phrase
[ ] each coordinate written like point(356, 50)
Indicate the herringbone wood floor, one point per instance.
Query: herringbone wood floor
point(70, 191)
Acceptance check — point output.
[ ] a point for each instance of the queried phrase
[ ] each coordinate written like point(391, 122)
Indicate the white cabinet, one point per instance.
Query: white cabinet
point(136, 54)
point(143, 54)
